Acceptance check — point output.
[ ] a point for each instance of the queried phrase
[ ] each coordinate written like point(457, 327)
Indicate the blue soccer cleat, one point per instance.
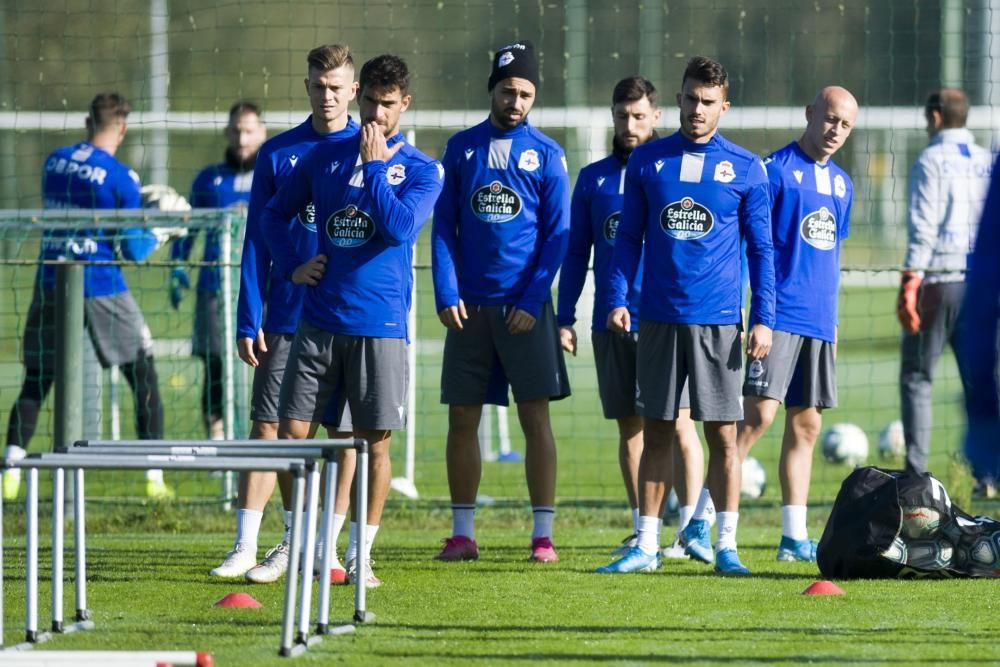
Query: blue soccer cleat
point(796, 550)
point(695, 540)
point(727, 562)
point(636, 560)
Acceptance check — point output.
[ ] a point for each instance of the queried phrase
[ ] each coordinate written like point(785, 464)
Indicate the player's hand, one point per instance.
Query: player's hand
point(452, 316)
point(245, 349)
point(567, 336)
point(906, 303)
point(519, 321)
point(758, 342)
point(373, 145)
point(179, 281)
point(620, 320)
point(311, 272)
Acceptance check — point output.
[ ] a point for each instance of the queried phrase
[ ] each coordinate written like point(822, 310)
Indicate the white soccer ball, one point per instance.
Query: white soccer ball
point(984, 551)
point(754, 478)
point(896, 551)
point(929, 554)
point(164, 198)
point(845, 443)
point(891, 443)
point(920, 522)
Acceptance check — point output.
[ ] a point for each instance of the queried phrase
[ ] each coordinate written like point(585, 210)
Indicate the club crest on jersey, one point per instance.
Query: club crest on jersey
point(610, 227)
point(819, 229)
point(307, 217)
point(350, 227)
point(529, 160)
point(724, 171)
point(686, 220)
point(839, 186)
point(396, 174)
point(495, 203)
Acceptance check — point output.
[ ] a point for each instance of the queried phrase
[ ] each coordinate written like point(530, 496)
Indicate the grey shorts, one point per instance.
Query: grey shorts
point(614, 356)
point(115, 324)
point(207, 337)
point(800, 371)
point(267, 386)
point(483, 357)
point(370, 373)
point(707, 357)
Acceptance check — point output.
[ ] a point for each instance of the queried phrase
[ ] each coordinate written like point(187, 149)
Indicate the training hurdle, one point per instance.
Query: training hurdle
point(246, 455)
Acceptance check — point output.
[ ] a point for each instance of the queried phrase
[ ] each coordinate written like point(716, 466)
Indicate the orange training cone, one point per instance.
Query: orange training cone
point(823, 588)
point(238, 600)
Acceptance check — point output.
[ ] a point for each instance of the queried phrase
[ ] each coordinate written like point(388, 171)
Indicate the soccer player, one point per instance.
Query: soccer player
point(500, 232)
point(948, 184)
point(372, 195)
point(595, 211)
point(810, 198)
point(980, 315)
point(217, 186)
point(269, 307)
point(689, 198)
point(87, 175)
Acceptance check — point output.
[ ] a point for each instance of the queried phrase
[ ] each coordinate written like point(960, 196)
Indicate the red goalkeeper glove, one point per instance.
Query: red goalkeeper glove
point(906, 304)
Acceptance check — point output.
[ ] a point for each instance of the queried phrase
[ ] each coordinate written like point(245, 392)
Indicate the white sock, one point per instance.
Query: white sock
point(370, 532)
point(154, 475)
point(649, 538)
point(708, 514)
point(543, 521)
point(793, 522)
point(287, 538)
point(352, 542)
point(463, 519)
point(704, 502)
point(15, 452)
point(247, 528)
point(635, 519)
point(686, 512)
point(727, 530)
point(338, 525)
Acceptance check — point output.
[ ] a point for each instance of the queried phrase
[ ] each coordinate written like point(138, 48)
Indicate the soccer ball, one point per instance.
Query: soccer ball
point(920, 522)
point(984, 551)
point(754, 478)
point(929, 554)
point(896, 552)
point(891, 443)
point(845, 443)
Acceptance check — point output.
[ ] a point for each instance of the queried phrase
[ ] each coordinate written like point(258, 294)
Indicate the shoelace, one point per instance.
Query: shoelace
point(281, 548)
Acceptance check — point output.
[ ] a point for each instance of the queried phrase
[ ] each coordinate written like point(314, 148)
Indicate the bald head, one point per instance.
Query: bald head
point(829, 121)
point(946, 108)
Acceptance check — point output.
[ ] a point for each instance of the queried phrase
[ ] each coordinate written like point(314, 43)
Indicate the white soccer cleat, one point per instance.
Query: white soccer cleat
point(274, 565)
point(236, 563)
point(675, 551)
point(371, 581)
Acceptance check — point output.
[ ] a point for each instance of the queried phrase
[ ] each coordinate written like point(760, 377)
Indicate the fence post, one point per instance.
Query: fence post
point(69, 354)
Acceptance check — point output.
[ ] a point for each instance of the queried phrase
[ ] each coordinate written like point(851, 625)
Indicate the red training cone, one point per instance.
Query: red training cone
point(823, 588)
point(238, 600)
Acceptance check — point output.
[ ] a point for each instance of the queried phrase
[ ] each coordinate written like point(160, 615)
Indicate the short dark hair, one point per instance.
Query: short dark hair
point(633, 89)
point(706, 71)
point(952, 104)
point(385, 72)
point(330, 56)
point(106, 109)
point(243, 107)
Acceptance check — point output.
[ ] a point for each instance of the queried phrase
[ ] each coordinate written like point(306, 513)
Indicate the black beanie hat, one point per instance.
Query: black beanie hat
point(517, 59)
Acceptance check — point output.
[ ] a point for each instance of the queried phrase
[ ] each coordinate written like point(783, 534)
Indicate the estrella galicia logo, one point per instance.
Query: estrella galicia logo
point(819, 229)
point(610, 227)
point(307, 217)
point(350, 227)
point(495, 203)
point(686, 220)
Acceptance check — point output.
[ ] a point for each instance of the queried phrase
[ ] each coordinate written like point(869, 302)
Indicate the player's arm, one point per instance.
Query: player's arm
point(628, 250)
point(444, 244)
point(136, 243)
point(255, 264)
point(277, 224)
point(755, 224)
point(399, 219)
point(573, 273)
point(925, 215)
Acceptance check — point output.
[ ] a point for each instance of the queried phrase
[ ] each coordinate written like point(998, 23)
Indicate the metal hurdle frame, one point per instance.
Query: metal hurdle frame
point(253, 458)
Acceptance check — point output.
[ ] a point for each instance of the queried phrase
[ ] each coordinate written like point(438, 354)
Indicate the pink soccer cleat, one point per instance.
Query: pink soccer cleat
point(458, 547)
point(542, 550)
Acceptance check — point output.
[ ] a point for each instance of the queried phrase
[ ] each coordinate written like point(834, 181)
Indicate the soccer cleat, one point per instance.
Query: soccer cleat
point(636, 560)
point(542, 550)
point(236, 563)
point(11, 483)
point(675, 551)
point(793, 550)
point(458, 547)
point(274, 565)
point(727, 562)
point(371, 581)
point(695, 540)
point(158, 490)
point(626, 545)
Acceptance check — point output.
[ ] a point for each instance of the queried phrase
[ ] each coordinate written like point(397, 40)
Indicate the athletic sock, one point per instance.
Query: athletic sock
point(793, 522)
point(543, 521)
point(287, 538)
point(727, 530)
point(370, 532)
point(635, 519)
point(247, 528)
point(463, 520)
point(686, 512)
point(708, 513)
point(649, 540)
point(352, 542)
point(154, 475)
point(338, 525)
point(704, 502)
